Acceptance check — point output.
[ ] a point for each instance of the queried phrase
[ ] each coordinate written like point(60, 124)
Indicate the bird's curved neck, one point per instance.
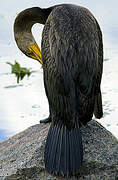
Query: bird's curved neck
point(22, 30)
point(27, 18)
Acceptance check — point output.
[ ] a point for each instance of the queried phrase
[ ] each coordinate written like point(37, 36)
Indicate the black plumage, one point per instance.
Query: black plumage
point(72, 55)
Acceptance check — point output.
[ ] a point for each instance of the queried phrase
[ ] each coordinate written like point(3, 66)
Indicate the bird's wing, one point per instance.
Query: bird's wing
point(75, 48)
point(98, 110)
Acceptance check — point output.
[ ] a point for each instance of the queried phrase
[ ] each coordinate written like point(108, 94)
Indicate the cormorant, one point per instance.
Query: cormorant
point(72, 61)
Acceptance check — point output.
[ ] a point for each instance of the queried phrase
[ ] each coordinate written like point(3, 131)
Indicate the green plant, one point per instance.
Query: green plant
point(106, 59)
point(20, 72)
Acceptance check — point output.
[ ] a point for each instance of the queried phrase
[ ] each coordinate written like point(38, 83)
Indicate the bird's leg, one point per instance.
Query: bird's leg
point(47, 120)
point(51, 115)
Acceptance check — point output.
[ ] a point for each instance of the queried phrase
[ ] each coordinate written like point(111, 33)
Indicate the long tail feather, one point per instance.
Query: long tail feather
point(64, 151)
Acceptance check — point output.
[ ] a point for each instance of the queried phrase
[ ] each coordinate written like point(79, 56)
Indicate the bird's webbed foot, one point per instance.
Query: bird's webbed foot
point(47, 120)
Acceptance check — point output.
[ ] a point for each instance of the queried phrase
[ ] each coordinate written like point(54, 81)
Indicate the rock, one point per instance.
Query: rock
point(21, 156)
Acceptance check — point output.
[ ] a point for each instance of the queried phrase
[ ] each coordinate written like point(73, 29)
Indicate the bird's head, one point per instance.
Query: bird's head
point(28, 46)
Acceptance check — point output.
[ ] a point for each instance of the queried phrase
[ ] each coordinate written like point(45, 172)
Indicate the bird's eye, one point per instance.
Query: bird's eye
point(29, 53)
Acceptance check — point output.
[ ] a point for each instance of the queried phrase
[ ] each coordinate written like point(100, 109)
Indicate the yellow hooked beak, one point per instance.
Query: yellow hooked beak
point(35, 52)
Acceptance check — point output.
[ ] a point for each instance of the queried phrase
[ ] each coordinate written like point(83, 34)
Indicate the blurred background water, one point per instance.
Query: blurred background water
point(24, 104)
